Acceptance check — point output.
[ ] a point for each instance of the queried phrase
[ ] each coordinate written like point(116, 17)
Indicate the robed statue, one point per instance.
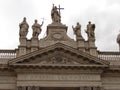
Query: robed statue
point(77, 30)
point(36, 29)
point(55, 15)
point(23, 28)
point(90, 30)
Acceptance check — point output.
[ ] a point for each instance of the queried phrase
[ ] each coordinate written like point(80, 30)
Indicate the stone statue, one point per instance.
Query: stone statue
point(23, 28)
point(77, 30)
point(55, 15)
point(36, 29)
point(118, 41)
point(90, 30)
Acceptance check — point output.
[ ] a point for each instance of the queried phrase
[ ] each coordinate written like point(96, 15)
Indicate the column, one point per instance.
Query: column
point(34, 88)
point(29, 88)
point(21, 88)
point(97, 88)
point(37, 88)
point(81, 88)
point(85, 88)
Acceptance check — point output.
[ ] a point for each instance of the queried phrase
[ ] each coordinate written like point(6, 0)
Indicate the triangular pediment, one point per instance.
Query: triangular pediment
point(59, 55)
point(57, 60)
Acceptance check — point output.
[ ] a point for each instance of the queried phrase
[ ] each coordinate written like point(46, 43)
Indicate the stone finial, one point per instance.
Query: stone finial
point(23, 28)
point(90, 30)
point(36, 29)
point(118, 40)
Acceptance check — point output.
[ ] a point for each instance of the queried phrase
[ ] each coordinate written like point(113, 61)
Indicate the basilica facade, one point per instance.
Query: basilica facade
point(58, 62)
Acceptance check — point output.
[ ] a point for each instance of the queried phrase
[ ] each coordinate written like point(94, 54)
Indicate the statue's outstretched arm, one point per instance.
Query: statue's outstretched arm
point(42, 23)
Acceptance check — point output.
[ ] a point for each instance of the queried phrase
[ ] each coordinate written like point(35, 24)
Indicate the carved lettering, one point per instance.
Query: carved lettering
point(7, 79)
point(58, 77)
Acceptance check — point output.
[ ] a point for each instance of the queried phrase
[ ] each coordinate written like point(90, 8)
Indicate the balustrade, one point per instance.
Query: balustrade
point(7, 54)
point(109, 55)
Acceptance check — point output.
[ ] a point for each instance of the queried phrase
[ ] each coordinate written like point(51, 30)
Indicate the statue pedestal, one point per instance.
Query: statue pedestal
point(56, 33)
point(22, 51)
point(22, 46)
point(23, 41)
point(91, 42)
point(34, 44)
point(93, 48)
point(80, 43)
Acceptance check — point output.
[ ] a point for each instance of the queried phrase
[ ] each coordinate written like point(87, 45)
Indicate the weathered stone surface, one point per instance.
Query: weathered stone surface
point(57, 62)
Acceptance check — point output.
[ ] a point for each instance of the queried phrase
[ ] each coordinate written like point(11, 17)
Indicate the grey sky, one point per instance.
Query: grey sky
point(104, 13)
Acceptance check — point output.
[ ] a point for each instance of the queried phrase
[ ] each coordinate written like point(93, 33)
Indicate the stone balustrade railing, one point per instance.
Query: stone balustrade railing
point(7, 54)
point(109, 55)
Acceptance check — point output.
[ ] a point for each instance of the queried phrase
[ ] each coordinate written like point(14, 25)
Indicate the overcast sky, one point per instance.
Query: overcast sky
point(104, 13)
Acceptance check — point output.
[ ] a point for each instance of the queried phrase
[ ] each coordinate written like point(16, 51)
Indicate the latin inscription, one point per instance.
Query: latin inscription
point(58, 77)
point(7, 79)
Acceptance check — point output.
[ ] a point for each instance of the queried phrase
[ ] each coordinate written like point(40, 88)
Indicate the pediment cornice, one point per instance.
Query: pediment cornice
point(59, 48)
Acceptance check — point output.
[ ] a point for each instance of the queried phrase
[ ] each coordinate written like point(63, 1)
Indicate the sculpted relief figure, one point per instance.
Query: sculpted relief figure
point(23, 28)
point(90, 30)
point(77, 30)
point(55, 15)
point(36, 29)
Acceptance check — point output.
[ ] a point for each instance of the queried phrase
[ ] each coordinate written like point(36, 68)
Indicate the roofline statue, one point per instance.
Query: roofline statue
point(36, 29)
point(77, 30)
point(23, 28)
point(55, 14)
point(118, 41)
point(90, 30)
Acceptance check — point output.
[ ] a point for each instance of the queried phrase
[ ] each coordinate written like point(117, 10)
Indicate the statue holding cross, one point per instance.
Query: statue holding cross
point(55, 14)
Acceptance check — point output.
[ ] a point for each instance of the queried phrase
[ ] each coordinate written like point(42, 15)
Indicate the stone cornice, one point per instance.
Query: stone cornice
point(33, 66)
point(5, 67)
point(58, 47)
point(57, 26)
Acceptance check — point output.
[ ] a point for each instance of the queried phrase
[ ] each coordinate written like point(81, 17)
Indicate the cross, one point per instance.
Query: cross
point(43, 19)
point(59, 8)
